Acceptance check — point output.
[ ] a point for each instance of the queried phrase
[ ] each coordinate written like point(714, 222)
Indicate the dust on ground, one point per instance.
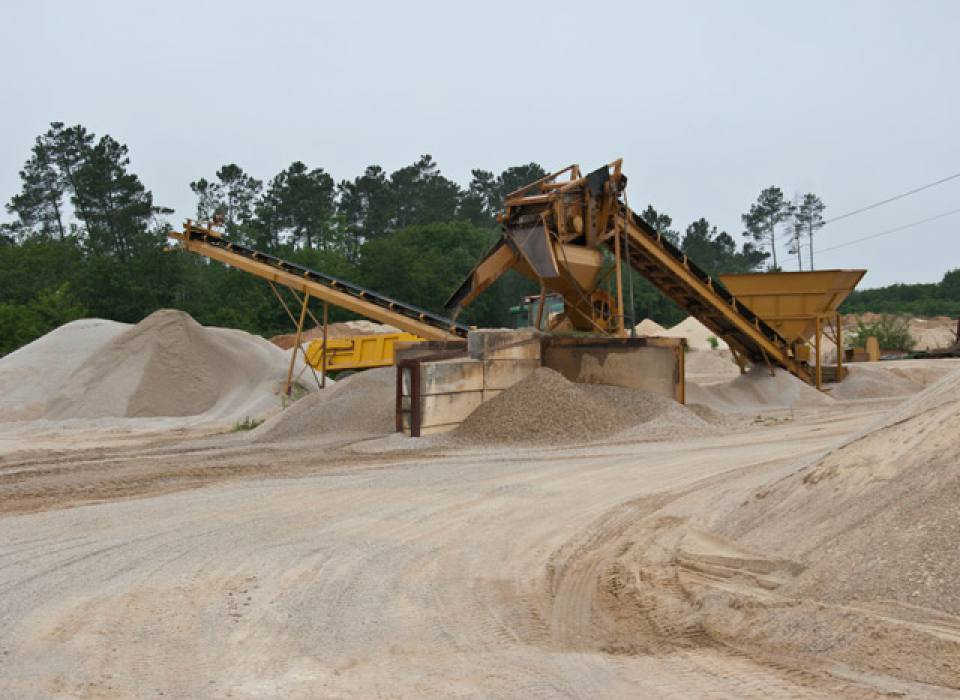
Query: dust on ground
point(575, 541)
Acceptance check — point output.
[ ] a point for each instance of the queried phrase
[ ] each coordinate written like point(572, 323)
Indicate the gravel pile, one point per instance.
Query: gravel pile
point(546, 408)
point(362, 404)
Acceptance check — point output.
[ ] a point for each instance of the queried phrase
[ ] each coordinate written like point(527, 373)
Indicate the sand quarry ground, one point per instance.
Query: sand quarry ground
point(765, 541)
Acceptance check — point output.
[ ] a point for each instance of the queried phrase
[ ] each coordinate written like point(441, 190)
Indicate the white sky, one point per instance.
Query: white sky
point(707, 102)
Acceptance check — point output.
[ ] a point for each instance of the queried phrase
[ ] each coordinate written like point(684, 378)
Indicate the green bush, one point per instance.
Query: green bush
point(891, 332)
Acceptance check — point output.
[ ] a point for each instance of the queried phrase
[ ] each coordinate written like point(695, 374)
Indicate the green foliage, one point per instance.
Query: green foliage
point(24, 323)
point(86, 238)
point(246, 424)
point(761, 221)
point(661, 223)
point(938, 299)
point(717, 252)
point(891, 332)
point(714, 341)
point(423, 264)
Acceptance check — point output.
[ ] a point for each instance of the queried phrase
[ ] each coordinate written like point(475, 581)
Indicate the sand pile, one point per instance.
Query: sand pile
point(169, 365)
point(876, 519)
point(546, 408)
point(758, 390)
point(698, 335)
point(30, 376)
point(710, 366)
point(649, 327)
point(362, 404)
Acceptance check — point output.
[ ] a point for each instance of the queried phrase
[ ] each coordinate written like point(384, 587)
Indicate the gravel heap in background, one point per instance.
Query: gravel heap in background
point(547, 408)
point(362, 404)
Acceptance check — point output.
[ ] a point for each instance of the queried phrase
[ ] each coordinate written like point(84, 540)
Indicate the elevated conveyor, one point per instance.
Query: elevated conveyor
point(211, 244)
point(702, 296)
point(555, 231)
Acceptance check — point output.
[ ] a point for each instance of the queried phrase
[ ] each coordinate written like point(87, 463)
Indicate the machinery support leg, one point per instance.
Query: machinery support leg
point(543, 302)
point(839, 334)
point(616, 253)
point(296, 347)
point(818, 338)
point(323, 361)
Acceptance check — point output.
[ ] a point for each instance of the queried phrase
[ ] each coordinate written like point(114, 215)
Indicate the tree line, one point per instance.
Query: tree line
point(86, 238)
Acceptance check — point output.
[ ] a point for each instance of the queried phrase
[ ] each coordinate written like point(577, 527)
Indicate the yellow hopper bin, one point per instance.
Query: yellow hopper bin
point(801, 306)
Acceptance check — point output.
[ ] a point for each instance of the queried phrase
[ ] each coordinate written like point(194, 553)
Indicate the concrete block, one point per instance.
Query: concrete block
point(503, 374)
point(488, 344)
point(450, 376)
point(442, 409)
point(654, 368)
point(491, 393)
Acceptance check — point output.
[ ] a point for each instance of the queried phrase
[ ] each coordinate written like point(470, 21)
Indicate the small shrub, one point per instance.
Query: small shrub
point(714, 343)
point(247, 423)
point(891, 332)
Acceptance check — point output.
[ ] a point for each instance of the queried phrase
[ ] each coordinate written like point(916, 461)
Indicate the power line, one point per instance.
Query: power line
point(891, 199)
point(892, 230)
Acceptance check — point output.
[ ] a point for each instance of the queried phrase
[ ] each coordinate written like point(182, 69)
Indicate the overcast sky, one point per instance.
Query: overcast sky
point(707, 102)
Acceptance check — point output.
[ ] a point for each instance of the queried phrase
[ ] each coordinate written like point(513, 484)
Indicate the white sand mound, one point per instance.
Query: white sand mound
point(876, 518)
point(30, 376)
point(169, 365)
point(710, 366)
point(757, 390)
point(362, 404)
point(649, 327)
point(697, 335)
point(546, 408)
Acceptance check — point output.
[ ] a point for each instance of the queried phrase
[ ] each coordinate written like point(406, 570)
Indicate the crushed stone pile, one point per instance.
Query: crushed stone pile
point(546, 408)
point(877, 518)
point(31, 375)
point(758, 390)
point(361, 404)
point(169, 365)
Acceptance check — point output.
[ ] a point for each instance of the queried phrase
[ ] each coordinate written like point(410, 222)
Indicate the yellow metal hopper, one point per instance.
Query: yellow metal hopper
point(801, 306)
point(792, 301)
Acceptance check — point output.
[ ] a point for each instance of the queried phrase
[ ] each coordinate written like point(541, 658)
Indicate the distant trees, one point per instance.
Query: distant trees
point(86, 238)
point(661, 223)
point(800, 220)
point(925, 299)
point(112, 209)
point(765, 215)
point(807, 220)
point(716, 252)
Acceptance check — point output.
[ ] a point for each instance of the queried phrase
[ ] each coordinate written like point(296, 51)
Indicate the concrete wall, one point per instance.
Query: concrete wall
point(449, 390)
point(452, 389)
point(648, 364)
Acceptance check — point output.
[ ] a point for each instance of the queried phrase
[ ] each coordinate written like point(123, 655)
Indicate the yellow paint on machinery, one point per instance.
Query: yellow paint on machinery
point(557, 229)
point(803, 307)
point(357, 351)
point(791, 302)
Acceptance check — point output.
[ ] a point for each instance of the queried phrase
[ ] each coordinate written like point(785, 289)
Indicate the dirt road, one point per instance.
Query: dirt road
point(345, 575)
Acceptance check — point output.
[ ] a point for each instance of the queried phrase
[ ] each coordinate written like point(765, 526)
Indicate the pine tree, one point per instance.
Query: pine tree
point(661, 223)
point(769, 211)
point(808, 219)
